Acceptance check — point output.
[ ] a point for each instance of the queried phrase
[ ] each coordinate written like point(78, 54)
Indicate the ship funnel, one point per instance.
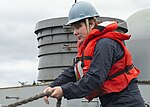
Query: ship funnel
point(55, 42)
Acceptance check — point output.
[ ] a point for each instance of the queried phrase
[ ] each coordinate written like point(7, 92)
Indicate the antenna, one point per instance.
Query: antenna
point(75, 1)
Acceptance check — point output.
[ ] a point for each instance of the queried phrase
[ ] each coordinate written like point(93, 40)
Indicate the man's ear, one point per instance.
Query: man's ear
point(92, 25)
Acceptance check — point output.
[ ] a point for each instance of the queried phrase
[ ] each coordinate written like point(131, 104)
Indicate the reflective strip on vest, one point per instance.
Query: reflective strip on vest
point(78, 70)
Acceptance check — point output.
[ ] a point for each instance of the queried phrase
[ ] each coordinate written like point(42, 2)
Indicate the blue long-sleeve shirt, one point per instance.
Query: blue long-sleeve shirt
point(106, 53)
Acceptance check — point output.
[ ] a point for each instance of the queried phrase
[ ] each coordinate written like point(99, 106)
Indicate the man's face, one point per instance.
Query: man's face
point(80, 31)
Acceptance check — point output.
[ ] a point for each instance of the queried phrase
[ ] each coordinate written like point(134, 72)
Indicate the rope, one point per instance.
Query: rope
point(58, 104)
point(36, 97)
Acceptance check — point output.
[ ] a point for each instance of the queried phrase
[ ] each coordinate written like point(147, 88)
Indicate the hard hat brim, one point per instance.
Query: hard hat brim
point(78, 19)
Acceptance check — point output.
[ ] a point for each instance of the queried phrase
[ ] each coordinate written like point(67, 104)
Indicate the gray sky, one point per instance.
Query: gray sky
point(18, 44)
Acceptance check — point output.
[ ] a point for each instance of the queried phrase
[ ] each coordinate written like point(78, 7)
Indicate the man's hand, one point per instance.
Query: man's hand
point(57, 93)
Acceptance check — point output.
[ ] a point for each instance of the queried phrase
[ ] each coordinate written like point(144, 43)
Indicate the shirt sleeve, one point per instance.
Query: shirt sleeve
point(105, 54)
point(67, 76)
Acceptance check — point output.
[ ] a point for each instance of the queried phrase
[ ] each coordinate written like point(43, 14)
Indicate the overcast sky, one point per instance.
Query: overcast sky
point(18, 44)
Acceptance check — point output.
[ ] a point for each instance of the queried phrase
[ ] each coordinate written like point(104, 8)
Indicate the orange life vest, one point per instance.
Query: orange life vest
point(121, 72)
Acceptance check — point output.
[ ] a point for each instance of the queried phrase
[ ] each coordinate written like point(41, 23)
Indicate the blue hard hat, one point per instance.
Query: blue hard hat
point(81, 10)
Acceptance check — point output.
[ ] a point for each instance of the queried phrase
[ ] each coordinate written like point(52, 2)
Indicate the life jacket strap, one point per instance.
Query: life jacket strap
point(77, 59)
point(82, 58)
point(126, 70)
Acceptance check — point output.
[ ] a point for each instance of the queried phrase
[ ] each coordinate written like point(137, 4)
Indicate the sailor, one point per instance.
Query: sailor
point(103, 65)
